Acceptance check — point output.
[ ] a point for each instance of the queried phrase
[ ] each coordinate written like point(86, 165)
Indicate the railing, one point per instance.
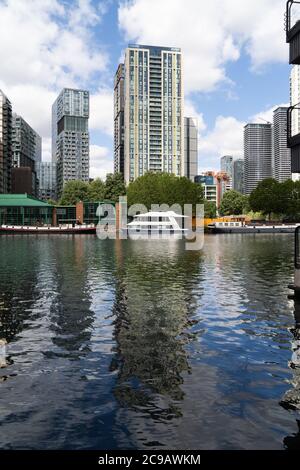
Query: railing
point(292, 139)
point(288, 19)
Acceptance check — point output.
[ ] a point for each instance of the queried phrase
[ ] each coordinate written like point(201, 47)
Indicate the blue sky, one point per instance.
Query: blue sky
point(235, 62)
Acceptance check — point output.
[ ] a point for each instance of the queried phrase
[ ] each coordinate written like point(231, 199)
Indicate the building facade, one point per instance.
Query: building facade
point(70, 136)
point(190, 147)
point(119, 120)
point(27, 152)
point(281, 153)
point(46, 174)
point(209, 186)
point(5, 144)
point(26, 143)
point(257, 154)
point(227, 167)
point(238, 175)
point(153, 114)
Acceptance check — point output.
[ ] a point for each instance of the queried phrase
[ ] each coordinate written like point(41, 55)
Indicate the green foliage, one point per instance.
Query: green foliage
point(114, 187)
point(234, 203)
point(164, 188)
point(96, 190)
point(210, 209)
point(74, 191)
point(271, 197)
point(52, 202)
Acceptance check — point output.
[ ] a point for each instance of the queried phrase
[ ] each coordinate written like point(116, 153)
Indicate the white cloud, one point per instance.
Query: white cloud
point(267, 114)
point(191, 111)
point(102, 111)
point(210, 33)
point(101, 162)
point(226, 138)
point(46, 149)
point(45, 46)
point(40, 45)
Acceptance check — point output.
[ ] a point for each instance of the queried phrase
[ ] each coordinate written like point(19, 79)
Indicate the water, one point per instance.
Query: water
point(121, 345)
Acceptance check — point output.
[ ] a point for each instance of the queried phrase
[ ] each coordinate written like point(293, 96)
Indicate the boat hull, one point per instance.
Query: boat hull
point(253, 229)
point(47, 231)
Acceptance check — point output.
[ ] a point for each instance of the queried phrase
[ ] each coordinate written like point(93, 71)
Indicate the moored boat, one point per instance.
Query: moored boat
point(156, 223)
point(49, 230)
point(239, 227)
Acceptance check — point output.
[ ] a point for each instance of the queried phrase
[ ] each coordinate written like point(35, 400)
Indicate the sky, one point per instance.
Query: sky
point(235, 63)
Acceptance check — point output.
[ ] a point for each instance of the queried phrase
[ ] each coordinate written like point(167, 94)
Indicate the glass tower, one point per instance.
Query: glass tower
point(258, 154)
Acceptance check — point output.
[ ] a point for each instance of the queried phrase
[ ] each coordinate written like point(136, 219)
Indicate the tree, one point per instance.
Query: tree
point(210, 209)
point(73, 192)
point(96, 190)
point(268, 198)
point(164, 188)
point(114, 187)
point(233, 203)
point(51, 202)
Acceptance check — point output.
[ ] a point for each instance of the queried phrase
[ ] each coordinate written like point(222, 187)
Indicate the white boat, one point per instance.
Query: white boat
point(157, 223)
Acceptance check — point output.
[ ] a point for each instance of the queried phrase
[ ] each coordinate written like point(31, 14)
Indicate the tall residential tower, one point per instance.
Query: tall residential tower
point(5, 144)
point(190, 148)
point(119, 120)
point(153, 118)
point(258, 154)
point(70, 136)
point(238, 175)
point(281, 153)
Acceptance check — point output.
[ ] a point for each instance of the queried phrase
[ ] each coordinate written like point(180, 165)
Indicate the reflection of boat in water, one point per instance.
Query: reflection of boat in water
point(157, 223)
point(50, 230)
point(239, 227)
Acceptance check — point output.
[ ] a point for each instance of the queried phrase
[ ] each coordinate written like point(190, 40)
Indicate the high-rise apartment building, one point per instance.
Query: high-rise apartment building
point(153, 115)
point(70, 136)
point(190, 147)
point(258, 154)
point(46, 173)
point(227, 167)
point(119, 120)
point(5, 144)
point(26, 143)
point(27, 151)
point(238, 175)
point(281, 153)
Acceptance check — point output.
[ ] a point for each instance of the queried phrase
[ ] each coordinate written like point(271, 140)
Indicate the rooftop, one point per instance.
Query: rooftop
point(15, 200)
point(154, 48)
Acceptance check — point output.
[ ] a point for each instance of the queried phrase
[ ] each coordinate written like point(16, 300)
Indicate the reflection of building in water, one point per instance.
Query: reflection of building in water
point(17, 288)
point(71, 315)
point(153, 309)
point(291, 399)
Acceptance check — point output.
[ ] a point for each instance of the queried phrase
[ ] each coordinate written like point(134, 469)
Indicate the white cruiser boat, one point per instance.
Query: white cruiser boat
point(157, 222)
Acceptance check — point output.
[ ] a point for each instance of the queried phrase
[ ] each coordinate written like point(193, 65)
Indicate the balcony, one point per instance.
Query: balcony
point(292, 27)
point(293, 137)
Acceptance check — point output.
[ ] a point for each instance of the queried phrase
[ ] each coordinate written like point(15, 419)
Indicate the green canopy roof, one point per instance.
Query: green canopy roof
point(21, 200)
